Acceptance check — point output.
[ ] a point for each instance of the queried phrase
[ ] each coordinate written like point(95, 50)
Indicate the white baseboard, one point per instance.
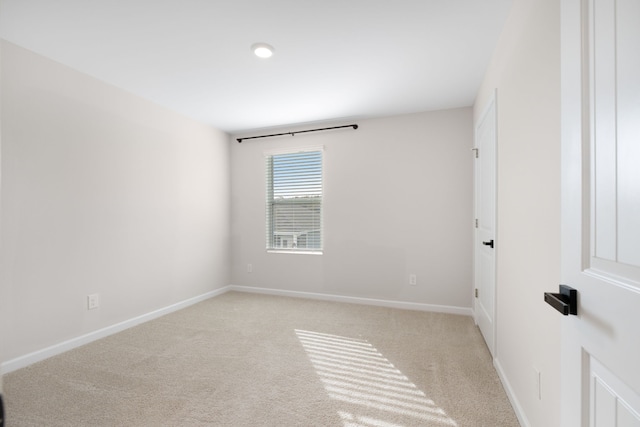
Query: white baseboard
point(37, 356)
point(517, 408)
point(465, 311)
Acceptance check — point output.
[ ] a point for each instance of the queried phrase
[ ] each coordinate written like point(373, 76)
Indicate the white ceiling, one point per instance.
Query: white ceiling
point(334, 59)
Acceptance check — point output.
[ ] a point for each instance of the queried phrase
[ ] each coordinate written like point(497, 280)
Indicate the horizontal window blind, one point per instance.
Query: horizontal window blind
point(294, 201)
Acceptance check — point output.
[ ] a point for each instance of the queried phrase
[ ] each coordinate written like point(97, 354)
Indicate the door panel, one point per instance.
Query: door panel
point(601, 211)
point(485, 196)
point(611, 399)
point(628, 129)
point(615, 122)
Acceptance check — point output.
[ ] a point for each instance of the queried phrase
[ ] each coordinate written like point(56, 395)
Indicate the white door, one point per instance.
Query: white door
point(485, 205)
point(601, 212)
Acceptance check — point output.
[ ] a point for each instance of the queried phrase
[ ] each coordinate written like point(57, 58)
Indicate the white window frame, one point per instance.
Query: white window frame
point(271, 245)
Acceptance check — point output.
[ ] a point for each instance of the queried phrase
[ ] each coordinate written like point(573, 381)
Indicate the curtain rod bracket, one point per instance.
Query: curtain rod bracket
point(354, 126)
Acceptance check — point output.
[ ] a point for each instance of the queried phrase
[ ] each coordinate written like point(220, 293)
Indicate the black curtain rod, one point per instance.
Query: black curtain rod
point(298, 131)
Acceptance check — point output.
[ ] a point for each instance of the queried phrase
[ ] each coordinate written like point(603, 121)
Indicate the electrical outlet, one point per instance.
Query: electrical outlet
point(249, 268)
point(413, 280)
point(93, 301)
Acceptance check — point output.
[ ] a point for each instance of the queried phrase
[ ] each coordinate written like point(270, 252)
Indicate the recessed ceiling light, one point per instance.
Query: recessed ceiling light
point(262, 50)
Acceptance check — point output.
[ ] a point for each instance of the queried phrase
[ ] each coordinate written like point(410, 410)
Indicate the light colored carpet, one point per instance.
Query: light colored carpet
point(255, 360)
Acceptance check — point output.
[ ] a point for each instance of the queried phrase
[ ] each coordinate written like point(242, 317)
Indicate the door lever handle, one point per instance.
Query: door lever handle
point(489, 243)
point(566, 302)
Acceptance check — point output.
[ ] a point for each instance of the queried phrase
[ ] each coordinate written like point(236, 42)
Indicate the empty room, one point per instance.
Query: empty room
point(295, 213)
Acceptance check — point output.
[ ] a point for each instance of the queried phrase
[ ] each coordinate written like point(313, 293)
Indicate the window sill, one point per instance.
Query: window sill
point(293, 252)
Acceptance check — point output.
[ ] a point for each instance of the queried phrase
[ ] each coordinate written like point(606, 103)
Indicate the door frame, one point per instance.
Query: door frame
point(491, 103)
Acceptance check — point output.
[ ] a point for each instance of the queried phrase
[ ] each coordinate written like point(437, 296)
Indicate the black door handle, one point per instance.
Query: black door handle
point(566, 302)
point(489, 243)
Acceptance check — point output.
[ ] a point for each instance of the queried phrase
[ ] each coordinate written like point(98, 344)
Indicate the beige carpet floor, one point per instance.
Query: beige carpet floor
point(254, 360)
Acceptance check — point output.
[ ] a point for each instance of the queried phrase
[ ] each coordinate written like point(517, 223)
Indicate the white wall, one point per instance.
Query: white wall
point(526, 71)
point(398, 200)
point(102, 192)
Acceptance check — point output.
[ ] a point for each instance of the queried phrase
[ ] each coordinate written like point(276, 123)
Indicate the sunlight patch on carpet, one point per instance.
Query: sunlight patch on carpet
point(355, 373)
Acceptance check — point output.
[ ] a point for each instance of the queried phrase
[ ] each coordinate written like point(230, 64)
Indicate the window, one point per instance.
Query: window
point(294, 201)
